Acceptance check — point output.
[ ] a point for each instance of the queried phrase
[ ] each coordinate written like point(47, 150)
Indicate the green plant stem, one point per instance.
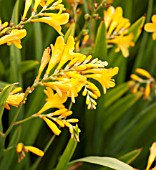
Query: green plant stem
point(46, 148)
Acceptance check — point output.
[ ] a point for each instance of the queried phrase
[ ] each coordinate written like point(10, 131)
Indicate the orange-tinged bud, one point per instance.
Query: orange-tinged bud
point(143, 72)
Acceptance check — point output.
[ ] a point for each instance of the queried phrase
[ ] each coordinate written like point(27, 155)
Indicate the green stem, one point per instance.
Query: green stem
point(46, 148)
point(25, 120)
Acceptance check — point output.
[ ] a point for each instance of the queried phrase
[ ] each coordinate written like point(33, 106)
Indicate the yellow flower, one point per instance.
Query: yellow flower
point(68, 86)
point(57, 51)
point(152, 156)
point(52, 126)
point(54, 20)
point(105, 77)
point(14, 37)
point(116, 24)
point(26, 8)
point(53, 100)
point(123, 43)
point(14, 100)
point(21, 149)
point(151, 27)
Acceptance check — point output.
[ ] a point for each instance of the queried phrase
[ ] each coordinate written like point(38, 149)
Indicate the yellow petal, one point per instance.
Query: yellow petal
point(57, 51)
point(150, 27)
point(34, 150)
point(55, 21)
point(154, 18)
point(26, 8)
point(52, 126)
point(37, 2)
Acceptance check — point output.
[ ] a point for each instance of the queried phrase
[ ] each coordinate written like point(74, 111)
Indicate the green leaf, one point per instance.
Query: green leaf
point(114, 94)
point(70, 31)
point(15, 54)
point(67, 154)
point(3, 97)
point(10, 154)
point(3, 84)
point(136, 28)
point(28, 65)
point(119, 108)
point(105, 161)
point(100, 49)
point(130, 156)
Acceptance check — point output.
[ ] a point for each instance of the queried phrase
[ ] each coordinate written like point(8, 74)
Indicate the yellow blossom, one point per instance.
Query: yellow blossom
point(26, 8)
point(54, 20)
point(14, 100)
point(151, 27)
point(123, 43)
point(4, 25)
point(53, 100)
point(44, 61)
point(105, 77)
point(152, 156)
point(37, 2)
point(52, 126)
point(116, 24)
point(68, 86)
point(14, 37)
point(57, 51)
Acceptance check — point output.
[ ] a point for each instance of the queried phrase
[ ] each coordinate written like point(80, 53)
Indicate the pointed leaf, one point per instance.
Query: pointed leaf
point(70, 31)
point(67, 154)
point(130, 156)
point(136, 28)
point(115, 93)
point(100, 49)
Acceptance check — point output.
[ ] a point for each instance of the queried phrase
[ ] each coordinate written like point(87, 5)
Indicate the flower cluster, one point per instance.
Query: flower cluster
point(151, 27)
point(117, 30)
point(67, 73)
point(144, 84)
point(10, 33)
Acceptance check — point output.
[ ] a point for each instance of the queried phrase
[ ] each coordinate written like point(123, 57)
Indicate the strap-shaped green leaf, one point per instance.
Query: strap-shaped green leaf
point(100, 49)
point(28, 65)
point(105, 161)
point(112, 95)
point(70, 32)
point(67, 154)
point(119, 108)
point(130, 156)
point(136, 28)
